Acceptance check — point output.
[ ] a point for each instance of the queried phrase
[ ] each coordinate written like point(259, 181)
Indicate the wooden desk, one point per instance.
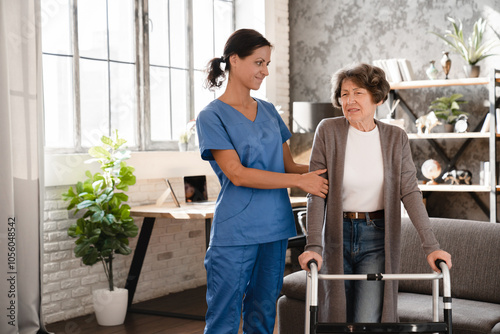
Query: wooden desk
point(169, 210)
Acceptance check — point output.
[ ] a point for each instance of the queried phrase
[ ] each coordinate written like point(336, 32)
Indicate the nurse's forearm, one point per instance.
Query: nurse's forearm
point(290, 165)
point(239, 175)
point(262, 179)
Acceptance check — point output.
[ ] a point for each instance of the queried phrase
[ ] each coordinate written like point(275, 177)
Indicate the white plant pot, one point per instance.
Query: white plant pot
point(110, 307)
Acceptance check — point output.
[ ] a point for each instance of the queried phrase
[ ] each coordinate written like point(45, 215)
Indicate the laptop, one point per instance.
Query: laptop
point(195, 190)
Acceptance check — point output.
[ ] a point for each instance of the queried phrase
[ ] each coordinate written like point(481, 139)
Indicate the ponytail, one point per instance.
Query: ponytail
point(216, 75)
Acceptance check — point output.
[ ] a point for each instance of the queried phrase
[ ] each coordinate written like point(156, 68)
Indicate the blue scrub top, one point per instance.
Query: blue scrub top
point(243, 215)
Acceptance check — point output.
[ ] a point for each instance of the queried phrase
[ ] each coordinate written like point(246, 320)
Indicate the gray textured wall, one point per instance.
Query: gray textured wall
point(326, 35)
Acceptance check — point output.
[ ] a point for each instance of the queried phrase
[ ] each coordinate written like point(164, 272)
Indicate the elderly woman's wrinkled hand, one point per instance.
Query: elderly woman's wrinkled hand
point(439, 255)
point(307, 256)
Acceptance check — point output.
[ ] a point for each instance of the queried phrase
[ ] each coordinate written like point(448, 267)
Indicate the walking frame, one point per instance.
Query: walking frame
point(312, 326)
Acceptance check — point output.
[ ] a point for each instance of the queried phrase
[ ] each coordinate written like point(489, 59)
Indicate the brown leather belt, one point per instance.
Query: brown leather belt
point(362, 215)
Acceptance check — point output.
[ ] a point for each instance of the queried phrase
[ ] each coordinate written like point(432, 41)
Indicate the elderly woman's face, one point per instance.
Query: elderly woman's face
point(358, 105)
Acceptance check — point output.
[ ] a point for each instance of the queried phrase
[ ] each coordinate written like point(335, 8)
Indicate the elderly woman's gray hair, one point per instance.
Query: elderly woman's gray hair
point(366, 76)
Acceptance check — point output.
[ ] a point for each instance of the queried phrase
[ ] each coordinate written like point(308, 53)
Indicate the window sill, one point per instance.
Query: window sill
point(68, 169)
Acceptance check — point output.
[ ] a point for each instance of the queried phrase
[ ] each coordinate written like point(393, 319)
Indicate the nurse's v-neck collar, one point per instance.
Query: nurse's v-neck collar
point(240, 113)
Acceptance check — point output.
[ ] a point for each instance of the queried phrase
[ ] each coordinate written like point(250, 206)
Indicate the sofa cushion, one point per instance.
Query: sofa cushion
point(291, 315)
point(474, 246)
point(294, 285)
point(468, 316)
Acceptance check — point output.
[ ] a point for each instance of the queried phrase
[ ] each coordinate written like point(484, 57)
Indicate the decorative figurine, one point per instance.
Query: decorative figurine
point(446, 63)
point(458, 176)
point(427, 121)
point(431, 169)
point(432, 71)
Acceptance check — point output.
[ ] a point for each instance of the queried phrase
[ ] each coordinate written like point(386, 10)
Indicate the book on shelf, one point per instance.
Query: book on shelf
point(497, 114)
point(487, 120)
point(486, 124)
point(396, 70)
point(406, 69)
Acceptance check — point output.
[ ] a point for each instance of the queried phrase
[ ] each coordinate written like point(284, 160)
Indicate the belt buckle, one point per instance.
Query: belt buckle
point(356, 215)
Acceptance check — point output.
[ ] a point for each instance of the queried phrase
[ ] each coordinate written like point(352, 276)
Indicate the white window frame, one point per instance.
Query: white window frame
point(143, 129)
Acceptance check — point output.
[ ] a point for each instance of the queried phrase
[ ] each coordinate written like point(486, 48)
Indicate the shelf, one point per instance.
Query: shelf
point(454, 188)
point(439, 83)
point(450, 135)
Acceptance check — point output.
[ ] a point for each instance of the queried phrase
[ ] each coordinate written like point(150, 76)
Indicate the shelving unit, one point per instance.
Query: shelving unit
point(492, 81)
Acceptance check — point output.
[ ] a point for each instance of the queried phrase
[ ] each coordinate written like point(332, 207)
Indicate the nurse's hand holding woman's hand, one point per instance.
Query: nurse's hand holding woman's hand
point(313, 183)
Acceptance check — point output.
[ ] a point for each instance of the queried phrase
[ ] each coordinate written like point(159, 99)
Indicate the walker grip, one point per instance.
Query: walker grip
point(438, 262)
point(312, 261)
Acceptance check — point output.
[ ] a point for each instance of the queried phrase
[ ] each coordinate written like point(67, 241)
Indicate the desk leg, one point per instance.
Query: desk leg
point(136, 266)
point(208, 226)
point(138, 259)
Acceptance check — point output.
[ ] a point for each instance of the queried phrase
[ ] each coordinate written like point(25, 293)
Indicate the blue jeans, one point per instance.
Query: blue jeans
point(364, 254)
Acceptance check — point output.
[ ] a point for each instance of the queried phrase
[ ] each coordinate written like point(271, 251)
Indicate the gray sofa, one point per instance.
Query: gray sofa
point(475, 279)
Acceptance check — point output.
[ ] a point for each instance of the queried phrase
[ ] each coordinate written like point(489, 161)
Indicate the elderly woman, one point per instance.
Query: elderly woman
point(356, 229)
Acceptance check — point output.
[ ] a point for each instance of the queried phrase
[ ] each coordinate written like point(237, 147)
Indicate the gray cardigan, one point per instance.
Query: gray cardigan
point(324, 216)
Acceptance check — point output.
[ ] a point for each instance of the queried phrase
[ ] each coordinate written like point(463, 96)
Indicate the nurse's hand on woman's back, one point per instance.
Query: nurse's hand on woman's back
point(314, 184)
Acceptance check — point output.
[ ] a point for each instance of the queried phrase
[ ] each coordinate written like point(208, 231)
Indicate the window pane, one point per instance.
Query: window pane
point(202, 96)
point(92, 29)
point(160, 104)
point(58, 101)
point(223, 23)
point(180, 111)
point(158, 33)
point(203, 47)
point(94, 101)
point(178, 25)
point(123, 101)
point(56, 27)
point(121, 30)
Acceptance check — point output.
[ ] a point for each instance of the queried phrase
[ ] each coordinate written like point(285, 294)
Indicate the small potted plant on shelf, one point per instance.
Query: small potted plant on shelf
point(472, 49)
point(447, 108)
point(105, 227)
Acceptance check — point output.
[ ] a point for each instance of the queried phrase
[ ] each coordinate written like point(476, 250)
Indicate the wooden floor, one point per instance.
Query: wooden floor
point(189, 302)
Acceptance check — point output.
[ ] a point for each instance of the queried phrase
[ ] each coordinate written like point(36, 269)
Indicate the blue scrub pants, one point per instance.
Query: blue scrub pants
point(364, 254)
point(252, 274)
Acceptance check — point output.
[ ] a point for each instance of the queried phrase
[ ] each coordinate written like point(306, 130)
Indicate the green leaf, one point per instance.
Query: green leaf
point(85, 204)
point(97, 216)
point(99, 152)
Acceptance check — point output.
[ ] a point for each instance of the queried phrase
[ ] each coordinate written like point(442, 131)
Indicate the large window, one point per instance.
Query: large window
point(132, 65)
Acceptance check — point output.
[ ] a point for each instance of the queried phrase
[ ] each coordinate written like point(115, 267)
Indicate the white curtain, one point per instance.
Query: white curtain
point(21, 161)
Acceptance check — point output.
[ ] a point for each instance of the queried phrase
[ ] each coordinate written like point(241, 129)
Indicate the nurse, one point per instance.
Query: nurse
point(244, 139)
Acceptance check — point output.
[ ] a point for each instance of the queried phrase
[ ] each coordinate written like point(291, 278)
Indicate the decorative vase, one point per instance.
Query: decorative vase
point(432, 71)
point(183, 147)
point(472, 71)
point(446, 63)
point(110, 307)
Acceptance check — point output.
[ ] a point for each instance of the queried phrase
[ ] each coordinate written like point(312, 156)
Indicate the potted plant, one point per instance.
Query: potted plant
point(105, 227)
point(184, 141)
point(447, 108)
point(472, 49)
point(187, 137)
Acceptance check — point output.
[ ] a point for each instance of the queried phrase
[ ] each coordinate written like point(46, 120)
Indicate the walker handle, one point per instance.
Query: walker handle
point(438, 262)
point(312, 261)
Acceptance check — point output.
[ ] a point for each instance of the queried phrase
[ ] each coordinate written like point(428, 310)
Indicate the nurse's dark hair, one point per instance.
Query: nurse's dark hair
point(242, 42)
point(369, 77)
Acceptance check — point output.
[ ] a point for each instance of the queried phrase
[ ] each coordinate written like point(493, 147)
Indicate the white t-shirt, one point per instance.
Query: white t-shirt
point(363, 187)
